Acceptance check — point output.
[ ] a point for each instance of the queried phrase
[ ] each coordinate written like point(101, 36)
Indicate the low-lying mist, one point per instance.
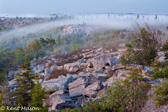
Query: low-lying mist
point(97, 21)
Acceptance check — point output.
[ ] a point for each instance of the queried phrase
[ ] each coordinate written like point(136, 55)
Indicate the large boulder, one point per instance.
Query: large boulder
point(12, 84)
point(64, 99)
point(119, 74)
point(100, 76)
point(39, 68)
point(60, 83)
point(113, 61)
point(77, 87)
point(91, 90)
point(82, 101)
point(105, 59)
point(11, 75)
point(72, 67)
point(101, 93)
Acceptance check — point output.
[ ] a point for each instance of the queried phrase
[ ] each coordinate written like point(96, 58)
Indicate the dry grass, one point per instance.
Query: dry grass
point(68, 58)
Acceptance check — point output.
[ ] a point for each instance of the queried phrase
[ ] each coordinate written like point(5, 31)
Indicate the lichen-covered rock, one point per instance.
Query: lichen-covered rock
point(82, 101)
point(39, 68)
point(72, 67)
point(119, 74)
point(60, 83)
point(77, 87)
point(55, 100)
point(91, 90)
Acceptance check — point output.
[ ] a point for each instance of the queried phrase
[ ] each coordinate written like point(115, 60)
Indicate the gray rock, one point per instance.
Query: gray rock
point(108, 68)
point(11, 75)
point(47, 71)
point(32, 65)
point(113, 61)
point(161, 59)
point(118, 66)
point(101, 93)
point(76, 87)
point(100, 76)
point(92, 79)
point(148, 69)
point(34, 60)
point(72, 67)
point(39, 68)
point(81, 73)
point(67, 104)
point(134, 66)
point(54, 100)
point(84, 75)
point(91, 90)
point(54, 67)
point(49, 64)
point(59, 92)
point(119, 74)
point(75, 76)
point(99, 70)
point(60, 83)
point(12, 83)
point(60, 67)
point(82, 101)
point(161, 56)
point(82, 61)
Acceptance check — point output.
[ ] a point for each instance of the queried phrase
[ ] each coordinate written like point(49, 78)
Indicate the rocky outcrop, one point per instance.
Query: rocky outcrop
point(82, 81)
point(72, 67)
point(39, 68)
point(77, 87)
point(91, 90)
point(60, 83)
point(82, 101)
point(59, 102)
point(118, 66)
point(119, 74)
point(11, 75)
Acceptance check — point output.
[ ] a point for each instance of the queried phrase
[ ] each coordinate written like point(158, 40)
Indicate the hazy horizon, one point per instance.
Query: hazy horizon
point(76, 7)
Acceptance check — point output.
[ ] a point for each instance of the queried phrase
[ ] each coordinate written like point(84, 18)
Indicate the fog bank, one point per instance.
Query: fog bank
point(100, 21)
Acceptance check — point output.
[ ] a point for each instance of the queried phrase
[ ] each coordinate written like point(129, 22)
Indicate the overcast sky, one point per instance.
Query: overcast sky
point(46, 7)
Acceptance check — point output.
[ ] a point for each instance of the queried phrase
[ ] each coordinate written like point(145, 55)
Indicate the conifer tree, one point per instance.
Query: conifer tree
point(58, 40)
point(25, 84)
point(37, 97)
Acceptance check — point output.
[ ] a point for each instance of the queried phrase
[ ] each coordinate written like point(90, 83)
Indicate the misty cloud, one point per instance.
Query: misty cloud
point(100, 21)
